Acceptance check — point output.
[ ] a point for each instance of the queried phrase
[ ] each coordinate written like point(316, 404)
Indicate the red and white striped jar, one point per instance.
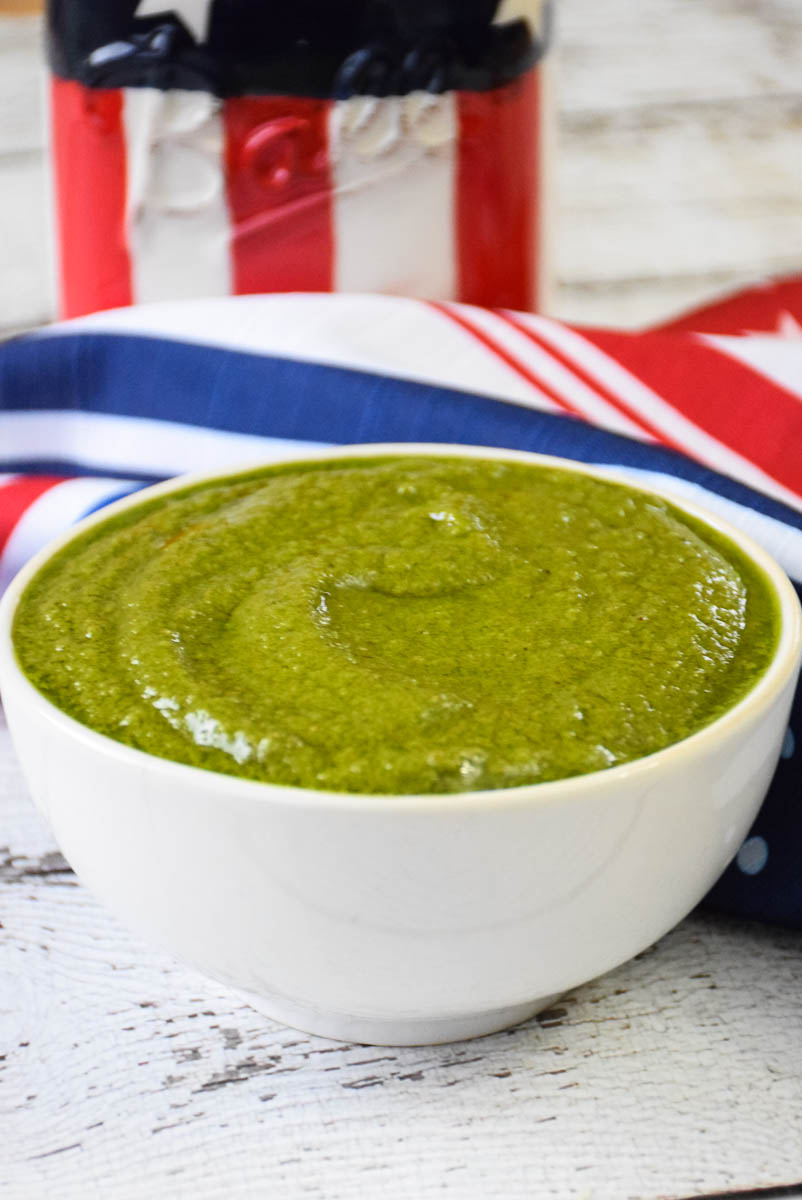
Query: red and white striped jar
point(213, 147)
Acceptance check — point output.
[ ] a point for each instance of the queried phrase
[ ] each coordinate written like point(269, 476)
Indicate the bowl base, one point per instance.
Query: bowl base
point(404, 1031)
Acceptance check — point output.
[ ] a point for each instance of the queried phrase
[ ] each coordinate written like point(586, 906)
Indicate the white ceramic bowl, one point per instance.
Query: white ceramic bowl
point(403, 919)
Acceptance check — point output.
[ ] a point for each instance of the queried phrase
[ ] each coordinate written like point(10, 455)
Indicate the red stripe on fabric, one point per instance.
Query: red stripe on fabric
point(19, 495)
point(498, 211)
point(90, 175)
point(279, 193)
point(727, 399)
point(761, 309)
point(506, 356)
point(600, 389)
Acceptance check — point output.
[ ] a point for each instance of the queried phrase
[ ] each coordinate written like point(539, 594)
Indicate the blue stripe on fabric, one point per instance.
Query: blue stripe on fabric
point(215, 388)
point(70, 469)
point(117, 494)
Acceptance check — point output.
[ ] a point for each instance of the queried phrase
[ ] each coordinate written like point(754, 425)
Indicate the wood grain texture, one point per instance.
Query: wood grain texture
point(128, 1076)
point(679, 172)
point(26, 286)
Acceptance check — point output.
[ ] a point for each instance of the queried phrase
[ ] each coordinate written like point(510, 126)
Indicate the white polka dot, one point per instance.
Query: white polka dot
point(753, 856)
point(789, 744)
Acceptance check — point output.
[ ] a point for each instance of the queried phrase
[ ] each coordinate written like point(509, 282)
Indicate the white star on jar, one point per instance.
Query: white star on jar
point(531, 11)
point(193, 13)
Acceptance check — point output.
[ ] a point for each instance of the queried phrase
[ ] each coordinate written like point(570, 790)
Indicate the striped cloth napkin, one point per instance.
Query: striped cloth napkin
point(709, 407)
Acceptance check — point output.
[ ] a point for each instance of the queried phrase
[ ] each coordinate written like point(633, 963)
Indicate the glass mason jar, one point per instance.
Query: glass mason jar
point(214, 147)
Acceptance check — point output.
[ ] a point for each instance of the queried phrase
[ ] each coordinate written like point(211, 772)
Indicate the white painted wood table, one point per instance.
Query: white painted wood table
point(125, 1076)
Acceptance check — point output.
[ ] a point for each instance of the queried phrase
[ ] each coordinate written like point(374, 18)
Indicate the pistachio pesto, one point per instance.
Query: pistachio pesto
point(398, 625)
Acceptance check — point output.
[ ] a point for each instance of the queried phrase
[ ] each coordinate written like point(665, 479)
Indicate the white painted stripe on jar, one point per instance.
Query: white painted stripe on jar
point(392, 164)
point(177, 219)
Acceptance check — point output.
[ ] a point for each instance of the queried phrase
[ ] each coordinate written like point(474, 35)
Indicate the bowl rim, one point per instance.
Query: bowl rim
point(690, 749)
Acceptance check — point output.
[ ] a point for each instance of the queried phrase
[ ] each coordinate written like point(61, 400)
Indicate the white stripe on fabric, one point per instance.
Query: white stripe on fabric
point(782, 541)
point(177, 219)
point(4, 479)
point(583, 400)
point(135, 445)
point(51, 514)
point(388, 335)
point(679, 429)
point(407, 339)
point(392, 165)
point(779, 359)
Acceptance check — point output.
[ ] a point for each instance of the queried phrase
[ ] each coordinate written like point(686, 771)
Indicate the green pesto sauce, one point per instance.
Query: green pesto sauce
point(398, 625)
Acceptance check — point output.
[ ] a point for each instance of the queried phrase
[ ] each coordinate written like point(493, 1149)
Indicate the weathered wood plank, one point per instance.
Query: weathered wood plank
point(25, 265)
point(663, 212)
point(22, 79)
point(618, 55)
point(679, 173)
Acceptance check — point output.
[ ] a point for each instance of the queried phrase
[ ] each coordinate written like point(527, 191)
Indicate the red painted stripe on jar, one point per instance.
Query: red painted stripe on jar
point(498, 207)
point(279, 193)
point(90, 179)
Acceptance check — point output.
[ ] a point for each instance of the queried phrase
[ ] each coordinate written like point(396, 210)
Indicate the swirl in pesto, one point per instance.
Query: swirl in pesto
point(398, 625)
